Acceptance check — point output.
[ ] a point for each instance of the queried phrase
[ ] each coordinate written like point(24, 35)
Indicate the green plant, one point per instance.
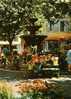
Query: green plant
point(33, 95)
point(5, 91)
point(56, 91)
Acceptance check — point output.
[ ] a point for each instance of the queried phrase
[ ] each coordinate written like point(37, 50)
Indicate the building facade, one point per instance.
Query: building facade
point(63, 25)
point(16, 44)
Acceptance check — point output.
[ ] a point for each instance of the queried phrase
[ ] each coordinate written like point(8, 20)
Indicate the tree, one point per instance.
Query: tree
point(10, 20)
point(14, 15)
point(53, 10)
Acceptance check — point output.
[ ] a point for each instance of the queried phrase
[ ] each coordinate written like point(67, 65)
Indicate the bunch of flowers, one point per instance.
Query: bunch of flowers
point(36, 85)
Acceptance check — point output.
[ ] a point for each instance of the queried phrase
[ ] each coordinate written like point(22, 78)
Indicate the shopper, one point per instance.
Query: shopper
point(69, 60)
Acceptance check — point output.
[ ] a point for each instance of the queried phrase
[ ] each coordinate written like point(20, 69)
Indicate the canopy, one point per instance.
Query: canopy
point(59, 36)
point(7, 43)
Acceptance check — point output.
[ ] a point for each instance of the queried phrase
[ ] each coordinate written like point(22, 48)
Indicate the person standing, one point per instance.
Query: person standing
point(63, 65)
point(69, 60)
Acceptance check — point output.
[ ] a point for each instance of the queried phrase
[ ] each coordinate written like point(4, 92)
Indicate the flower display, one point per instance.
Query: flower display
point(36, 85)
point(37, 89)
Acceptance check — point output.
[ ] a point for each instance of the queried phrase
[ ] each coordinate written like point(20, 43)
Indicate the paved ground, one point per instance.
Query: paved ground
point(11, 75)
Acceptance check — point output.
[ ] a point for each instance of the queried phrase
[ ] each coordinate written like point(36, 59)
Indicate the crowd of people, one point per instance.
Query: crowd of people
point(58, 60)
point(61, 60)
point(7, 58)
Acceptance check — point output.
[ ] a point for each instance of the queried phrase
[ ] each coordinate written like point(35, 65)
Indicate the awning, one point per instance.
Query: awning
point(7, 43)
point(59, 36)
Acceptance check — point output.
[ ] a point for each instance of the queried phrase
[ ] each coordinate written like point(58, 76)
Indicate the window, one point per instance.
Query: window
point(62, 26)
point(53, 45)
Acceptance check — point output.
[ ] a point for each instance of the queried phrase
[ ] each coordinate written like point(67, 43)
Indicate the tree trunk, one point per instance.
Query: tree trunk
point(10, 47)
point(10, 58)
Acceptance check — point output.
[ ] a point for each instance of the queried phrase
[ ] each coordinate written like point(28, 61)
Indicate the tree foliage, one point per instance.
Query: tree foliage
point(56, 9)
point(14, 15)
